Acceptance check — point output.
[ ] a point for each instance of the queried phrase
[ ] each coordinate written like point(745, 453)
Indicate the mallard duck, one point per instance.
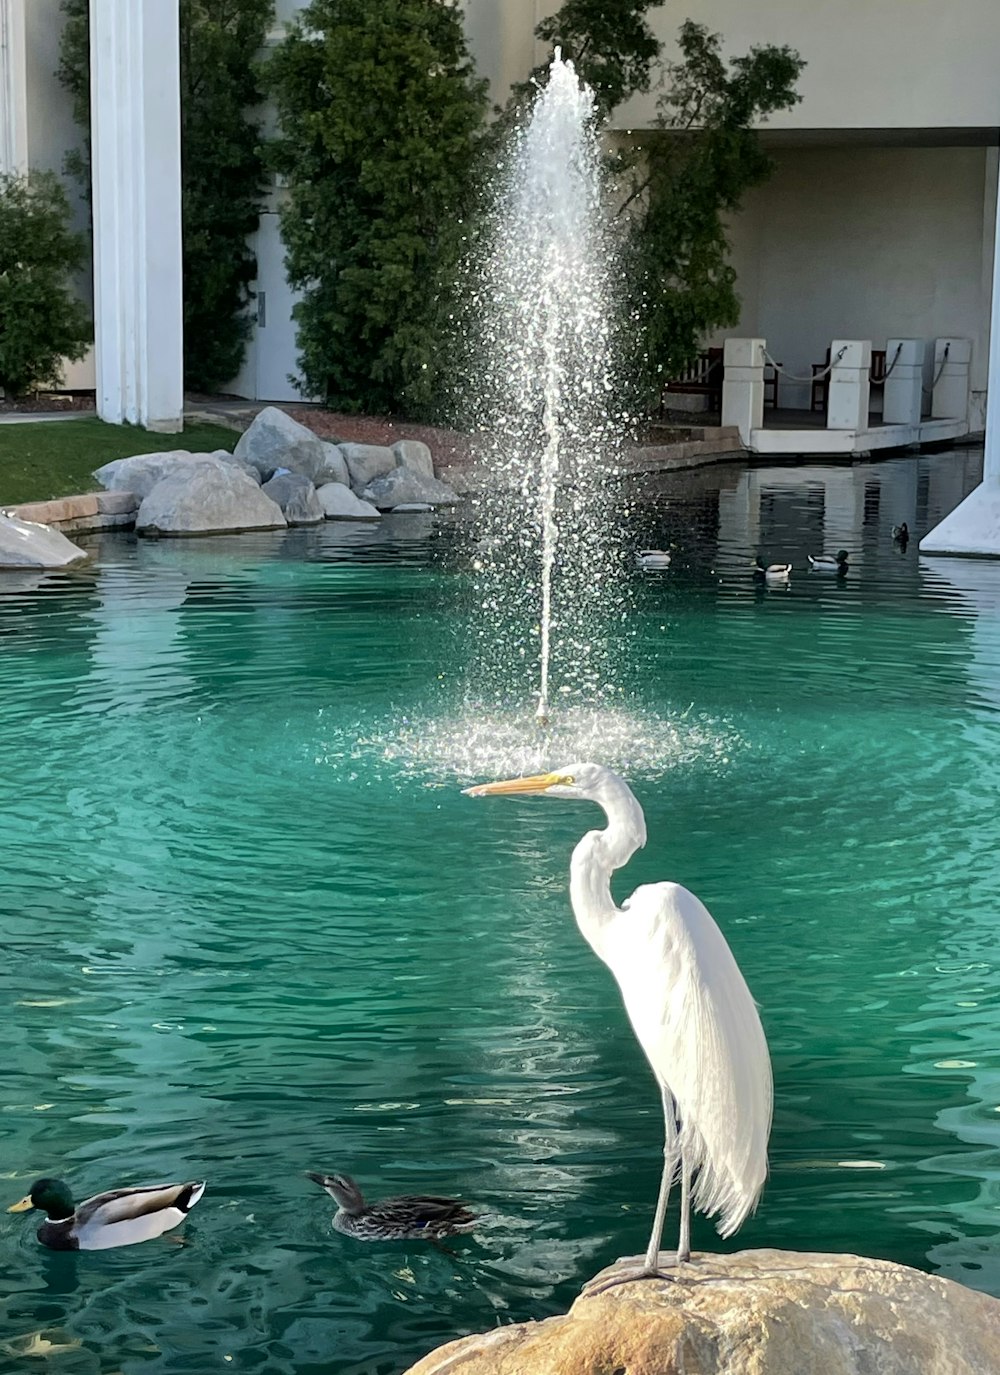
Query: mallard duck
point(404, 1218)
point(830, 563)
point(653, 558)
point(900, 533)
point(774, 572)
point(120, 1217)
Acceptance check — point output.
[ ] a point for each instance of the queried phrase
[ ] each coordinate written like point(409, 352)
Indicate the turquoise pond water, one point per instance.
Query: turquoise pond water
point(251, 927)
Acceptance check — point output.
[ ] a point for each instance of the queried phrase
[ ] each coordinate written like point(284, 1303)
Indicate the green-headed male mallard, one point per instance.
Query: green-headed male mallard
point(405, 1218)
point(771, 572)
point(120, 1217)
point(830, 563)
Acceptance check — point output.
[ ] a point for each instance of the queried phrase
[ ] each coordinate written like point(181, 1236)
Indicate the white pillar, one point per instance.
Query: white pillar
point(743, 386)
point(974, 525)
point(13, 88)
point(902, 395)
point(850, 384)
point(135, 126)
point(952, 365)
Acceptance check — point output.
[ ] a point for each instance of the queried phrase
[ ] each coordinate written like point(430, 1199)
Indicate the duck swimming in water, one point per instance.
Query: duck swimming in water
point(900, 533)
point(774, 572)
point(829, 563)
point(405, 1218)
point(120, 1217)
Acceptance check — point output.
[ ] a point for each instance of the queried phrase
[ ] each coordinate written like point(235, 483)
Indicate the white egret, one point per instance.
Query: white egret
point(689, 1006)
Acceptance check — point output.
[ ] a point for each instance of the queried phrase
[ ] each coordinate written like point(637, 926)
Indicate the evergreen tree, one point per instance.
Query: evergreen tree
point(380, 121)
point(222, 177)
point(42, 323)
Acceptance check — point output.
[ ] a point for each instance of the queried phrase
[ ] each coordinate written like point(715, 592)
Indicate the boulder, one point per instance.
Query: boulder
point(141, 472)
point(25, 544)
point(340, 503)
point(411, 508)
point(411, 453)
point(367, 461)
point(204, 498)
point(336, 465)
point(404, 486)
point(297, 498)
point(753, 1313)
point(274, 440)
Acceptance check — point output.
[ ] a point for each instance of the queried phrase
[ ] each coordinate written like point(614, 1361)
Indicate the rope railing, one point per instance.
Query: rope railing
point(881, 381)
point(814, 376)
point(937, 376)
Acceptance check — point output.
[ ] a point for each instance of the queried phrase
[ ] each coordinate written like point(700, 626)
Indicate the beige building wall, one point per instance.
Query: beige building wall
point(866, 243)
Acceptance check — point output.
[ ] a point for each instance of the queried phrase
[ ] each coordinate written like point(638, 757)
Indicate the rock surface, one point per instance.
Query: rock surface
point(753, 1313)
point(412, 453)
point(141, 472)
point(275, 440)
point(404, 486)
point(336, 466)
point(297, 498)
point(340, 503)
point(367, 461)
point(24, 544)
point(205, 498)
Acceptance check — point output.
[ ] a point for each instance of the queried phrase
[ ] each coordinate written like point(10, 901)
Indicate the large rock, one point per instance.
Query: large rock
point(336, 465)
point(412, 453)
point(367, 461)
point(404, 486)
point(25, 544)
point(753, 1313)
point(274, 440)
point(297, 498)
point(141, 472)
point(340, 503)
point(207, 498)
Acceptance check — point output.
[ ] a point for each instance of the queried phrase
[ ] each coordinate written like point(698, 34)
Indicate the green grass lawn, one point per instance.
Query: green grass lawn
point(57, 458)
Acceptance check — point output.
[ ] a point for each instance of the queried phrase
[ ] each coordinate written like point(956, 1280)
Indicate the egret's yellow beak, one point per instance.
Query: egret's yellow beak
point(513, 787)
point(21, 1207)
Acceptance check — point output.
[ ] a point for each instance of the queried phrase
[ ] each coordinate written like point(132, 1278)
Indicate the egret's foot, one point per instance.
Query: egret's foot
point(628, 1274)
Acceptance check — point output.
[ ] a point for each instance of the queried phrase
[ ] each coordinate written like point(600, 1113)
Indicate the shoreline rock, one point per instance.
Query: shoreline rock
point(763, 1312)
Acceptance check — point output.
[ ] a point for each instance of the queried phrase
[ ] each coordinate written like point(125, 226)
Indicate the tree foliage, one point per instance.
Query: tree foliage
point(381, 118)
point(42, 323)
point(222, 174)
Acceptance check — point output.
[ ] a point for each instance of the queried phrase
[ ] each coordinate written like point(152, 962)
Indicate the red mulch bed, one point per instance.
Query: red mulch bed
point(447, 446)
point(49, 401)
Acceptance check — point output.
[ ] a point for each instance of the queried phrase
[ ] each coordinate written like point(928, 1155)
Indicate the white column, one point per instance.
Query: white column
point(13, 88)
point(850, 384)
point(743, 385)
point(974, 525)
point(952, 365)
point(902, 395)
point(135, 127)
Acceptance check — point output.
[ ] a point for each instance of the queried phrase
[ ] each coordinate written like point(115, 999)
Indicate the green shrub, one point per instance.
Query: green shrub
point(380, 120)
point(42, 323)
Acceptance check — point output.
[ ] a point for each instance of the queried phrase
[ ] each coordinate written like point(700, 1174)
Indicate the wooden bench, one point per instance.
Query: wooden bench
point(705, 376)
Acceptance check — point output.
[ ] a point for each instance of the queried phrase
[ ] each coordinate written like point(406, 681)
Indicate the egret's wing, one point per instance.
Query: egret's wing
point(697, 1022)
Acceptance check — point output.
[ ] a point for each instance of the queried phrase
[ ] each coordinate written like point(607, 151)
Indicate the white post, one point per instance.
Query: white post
point(952, 365)
point(13, 88)
point(850, 384)
point(135, 127)
point(902, 395)
point(743, 386)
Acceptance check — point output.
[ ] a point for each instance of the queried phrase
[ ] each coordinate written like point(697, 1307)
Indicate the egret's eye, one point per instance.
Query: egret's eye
point(567, 780)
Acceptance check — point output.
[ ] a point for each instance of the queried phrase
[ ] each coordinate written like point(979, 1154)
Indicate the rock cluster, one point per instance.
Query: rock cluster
point(753, 1313)
point(279, 474)
point(26, 544)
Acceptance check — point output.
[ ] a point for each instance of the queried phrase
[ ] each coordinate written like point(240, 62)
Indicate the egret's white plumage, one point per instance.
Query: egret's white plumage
point(689, 1006)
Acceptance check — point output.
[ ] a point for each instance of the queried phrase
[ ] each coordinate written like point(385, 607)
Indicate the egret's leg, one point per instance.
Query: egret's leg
point(650, 1268)
point(684, 1240)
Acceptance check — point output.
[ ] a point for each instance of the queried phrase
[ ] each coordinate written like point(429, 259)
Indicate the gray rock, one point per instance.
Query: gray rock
point(408, 508)
point(297, 498)
point(403, 486)
point(205, 498)
point(26, 544)
point(141, 472)
point(340, 503)
point(224, 456)
point(275, 440)
point(336, 465)
point(411, 453)
point(367, 461)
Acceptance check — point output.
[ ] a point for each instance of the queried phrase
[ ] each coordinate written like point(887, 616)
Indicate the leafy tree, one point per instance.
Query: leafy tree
point(694, 174)
point(222, 176)
point(380, 121)
point(42, 323)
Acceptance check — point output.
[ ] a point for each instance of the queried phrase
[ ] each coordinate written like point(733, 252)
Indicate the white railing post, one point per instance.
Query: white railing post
point(950, 378)
point(902, 395)
point(850, 384)
point(743, 386)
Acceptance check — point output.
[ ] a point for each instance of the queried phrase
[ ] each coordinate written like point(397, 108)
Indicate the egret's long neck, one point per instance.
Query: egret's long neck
point(597, 857)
